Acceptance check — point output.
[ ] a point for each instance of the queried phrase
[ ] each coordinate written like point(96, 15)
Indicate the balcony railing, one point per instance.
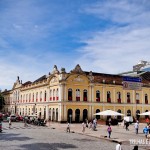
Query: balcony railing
point(77, 98)
point(85, 98)
point(146, 101)
point(128, 101)
point(70, 98)
point(109, 100)
point(119, 100)
point(98, 99)
point(137, 101)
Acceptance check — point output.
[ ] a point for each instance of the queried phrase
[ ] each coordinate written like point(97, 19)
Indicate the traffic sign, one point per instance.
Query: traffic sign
point(132, 83)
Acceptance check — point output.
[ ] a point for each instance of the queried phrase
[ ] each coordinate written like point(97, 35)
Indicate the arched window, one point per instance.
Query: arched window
point(40, 96)
point(26, 97)
point(119, 97)
point(128, 97)
point(57, 95)
point(85, 115)
point(45, 96)
point(23, 98)
point(33, 98)
point(137, 114)
point(108, 97)
point(146, 99)
point(119, 117)
point(137, 98)
point(69, 94)
point(50, 95)
point(30, 97)
point(36, 96)
point(70, 113)
point(84, 95)
point(98, 96)
point(77, 95)
point(128, 112)
point(97, 116)
point(54, 94)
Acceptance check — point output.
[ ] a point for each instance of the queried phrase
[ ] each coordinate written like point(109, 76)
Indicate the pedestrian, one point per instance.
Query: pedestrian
point(68, 127)
point(145, 131)
point(118, 146)
point(83, 127)
point(9, 122)
point(25, 121)
point(90, 125)
point(127, 125)
point(136, 126)
point(109, 130)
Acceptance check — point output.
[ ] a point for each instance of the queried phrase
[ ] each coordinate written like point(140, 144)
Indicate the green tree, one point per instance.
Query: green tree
point(2, 101)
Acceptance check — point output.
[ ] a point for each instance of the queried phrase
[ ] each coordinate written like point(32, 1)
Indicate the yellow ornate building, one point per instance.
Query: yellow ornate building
point(76, 95)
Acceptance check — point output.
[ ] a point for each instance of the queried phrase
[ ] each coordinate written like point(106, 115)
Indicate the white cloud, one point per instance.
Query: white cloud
point(118, 48)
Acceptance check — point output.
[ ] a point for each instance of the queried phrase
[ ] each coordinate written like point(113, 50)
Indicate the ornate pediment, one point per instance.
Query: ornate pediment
point(77, 69)
point(78, 79)
point(54, 80)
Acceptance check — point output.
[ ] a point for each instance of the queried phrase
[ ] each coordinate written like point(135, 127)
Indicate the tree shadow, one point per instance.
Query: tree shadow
point(13, 137)
point(46, 146)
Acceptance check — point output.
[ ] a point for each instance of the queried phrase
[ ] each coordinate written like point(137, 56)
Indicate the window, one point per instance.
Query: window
point(36, 96)
point(69, 94)
point(50, 95)
point(40, 96)
point(108, 97)
point(54, 94)
point(77, 95)
point(57, 94)
point(119, 97)
point(84, 95)
point(33, 98)
point(128, 97)
point(45, 96)
point(146, 99)
point(137, 98)
point(98, 96)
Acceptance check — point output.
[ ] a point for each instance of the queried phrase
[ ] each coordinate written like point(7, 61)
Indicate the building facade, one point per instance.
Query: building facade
point(76, 96)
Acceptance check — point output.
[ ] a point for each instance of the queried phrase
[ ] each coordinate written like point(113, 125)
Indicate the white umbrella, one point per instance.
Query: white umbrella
point(145, 113)
point(109, 113)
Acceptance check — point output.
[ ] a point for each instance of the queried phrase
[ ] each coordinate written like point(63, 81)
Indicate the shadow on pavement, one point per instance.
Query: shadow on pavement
point(13, 137)
point(46, 146)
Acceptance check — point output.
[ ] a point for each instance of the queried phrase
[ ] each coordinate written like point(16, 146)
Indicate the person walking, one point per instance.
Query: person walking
point(127, 125)
point(9, 122)
point(109, 130)
point(83, 127)
point(68, 127)
point(145, 131)
point(136, 126)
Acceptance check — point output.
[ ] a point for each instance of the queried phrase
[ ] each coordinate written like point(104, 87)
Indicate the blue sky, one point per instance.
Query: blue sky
point(107, 36)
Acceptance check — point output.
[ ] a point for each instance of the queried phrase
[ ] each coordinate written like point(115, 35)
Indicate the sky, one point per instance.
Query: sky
point(106, 36)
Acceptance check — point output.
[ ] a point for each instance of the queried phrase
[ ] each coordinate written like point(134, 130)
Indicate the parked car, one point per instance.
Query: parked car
point(13, 118)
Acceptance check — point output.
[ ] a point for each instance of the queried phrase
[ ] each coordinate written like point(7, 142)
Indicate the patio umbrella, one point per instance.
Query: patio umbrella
point(145, 113)
point(109, 113)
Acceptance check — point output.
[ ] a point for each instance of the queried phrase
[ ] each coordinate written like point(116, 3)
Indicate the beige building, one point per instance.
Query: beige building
point(76, 95)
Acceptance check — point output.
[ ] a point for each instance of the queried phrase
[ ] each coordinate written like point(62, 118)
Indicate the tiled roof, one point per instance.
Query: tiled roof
point(40, 79)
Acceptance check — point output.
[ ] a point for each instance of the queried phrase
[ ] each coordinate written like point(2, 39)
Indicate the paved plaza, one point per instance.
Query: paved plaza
point(54, 137)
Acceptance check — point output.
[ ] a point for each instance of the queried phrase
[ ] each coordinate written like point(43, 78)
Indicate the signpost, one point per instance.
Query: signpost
point(132, 83)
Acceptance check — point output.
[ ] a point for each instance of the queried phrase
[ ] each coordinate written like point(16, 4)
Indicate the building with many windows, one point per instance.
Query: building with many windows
point(77, 95)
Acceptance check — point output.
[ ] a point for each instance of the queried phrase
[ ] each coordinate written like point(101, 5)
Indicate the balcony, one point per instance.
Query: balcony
point(146, 101)
point(98, 99)
point(109, 100)
point(128, 100)
point(57, 98)
point(77, 98)
point(50, 98)
point(85, 99)
point(53, 98)
point(119, 100)
point(70, 98)
point(137, 101)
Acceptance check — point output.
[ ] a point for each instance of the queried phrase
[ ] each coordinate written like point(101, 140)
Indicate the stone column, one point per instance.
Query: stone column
point(47, 112)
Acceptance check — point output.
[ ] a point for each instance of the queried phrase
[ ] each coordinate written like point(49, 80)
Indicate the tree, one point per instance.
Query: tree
point(2, 101)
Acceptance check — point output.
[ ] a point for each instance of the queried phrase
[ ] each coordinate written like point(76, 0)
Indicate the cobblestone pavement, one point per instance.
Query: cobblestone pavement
point(54, 137)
